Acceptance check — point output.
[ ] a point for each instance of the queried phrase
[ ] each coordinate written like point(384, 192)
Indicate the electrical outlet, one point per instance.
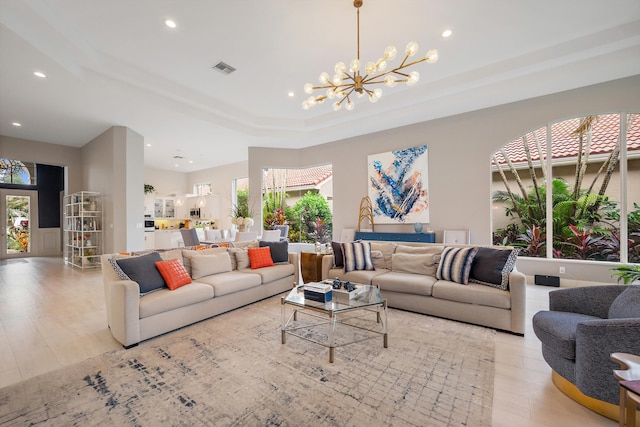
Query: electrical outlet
point(561, 270)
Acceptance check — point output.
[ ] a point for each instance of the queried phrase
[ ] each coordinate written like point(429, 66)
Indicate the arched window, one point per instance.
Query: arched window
point(583, 201)
point(16, 172)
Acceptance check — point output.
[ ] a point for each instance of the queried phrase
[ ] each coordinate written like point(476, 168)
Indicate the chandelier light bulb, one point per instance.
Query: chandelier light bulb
point(414, 76)
point(360, 94)
point(390, 52)
point(370, 68)
point(311, 100)
point(390, 81)
point(372, 98)
point(432, 56)
point(378, 93)
point(331, 93)
point(305, 105)
point(324, 78)
point(337, 79)
point(350, 105)
point(382, 64)
point(308, 88)
point(340, 68)
point(337, 106)
point(412, 48)
point(355, 65)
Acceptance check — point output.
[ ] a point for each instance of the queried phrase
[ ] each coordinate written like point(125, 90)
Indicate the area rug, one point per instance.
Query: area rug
point(232, 370)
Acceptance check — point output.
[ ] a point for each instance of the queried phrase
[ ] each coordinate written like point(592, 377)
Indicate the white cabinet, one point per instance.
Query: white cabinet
point(83, 231)
point(164, 208)
point(167, 239)
point(210, 209)
point(149, 240)
point(149, 200)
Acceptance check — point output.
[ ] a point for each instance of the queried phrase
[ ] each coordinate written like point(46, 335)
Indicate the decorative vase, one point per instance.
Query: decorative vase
point(242, 227)
point(417, 227)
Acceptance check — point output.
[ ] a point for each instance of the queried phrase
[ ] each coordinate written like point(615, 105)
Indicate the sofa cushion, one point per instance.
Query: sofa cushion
point(173, 273)
point(362, 277)
point(271, 274)
point(405, 283)
point(143, 270)
point(239, 258)
point(357, 256)
point(455, 264)
point(187, 254)
point(172, 254)
point(491, 267)
point(232, 281)
point(260, 257)
point(378, 260)
point(557, 330)
point(422, 249)
point(626, 305)
point(279, 250)
point(338, 257)
point(387, 249)
point(165, 300)
point(472, 294)
point(205, 265)
point(424, 264)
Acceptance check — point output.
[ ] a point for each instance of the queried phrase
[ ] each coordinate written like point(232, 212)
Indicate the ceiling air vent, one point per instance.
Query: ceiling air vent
point(178, 157)
point(224, 68)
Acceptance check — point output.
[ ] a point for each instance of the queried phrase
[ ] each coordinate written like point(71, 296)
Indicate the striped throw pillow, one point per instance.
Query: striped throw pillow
point(357, 256)
point(455, 264)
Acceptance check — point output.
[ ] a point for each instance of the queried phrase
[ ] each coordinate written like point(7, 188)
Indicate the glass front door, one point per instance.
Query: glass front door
point(16, 208)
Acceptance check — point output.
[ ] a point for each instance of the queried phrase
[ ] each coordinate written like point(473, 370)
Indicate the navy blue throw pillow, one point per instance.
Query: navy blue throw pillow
point(143, 270)
point(279, 250)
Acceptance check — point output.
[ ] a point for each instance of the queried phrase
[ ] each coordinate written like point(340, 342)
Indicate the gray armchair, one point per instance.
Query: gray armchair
point(582, 328)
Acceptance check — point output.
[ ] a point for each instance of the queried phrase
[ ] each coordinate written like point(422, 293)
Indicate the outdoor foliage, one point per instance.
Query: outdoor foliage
point(314, 219)
point(585, 221)
point(17, 229)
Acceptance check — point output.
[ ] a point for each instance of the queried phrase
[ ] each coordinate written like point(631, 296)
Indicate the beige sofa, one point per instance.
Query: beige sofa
point(133, 318)
point(410, 285)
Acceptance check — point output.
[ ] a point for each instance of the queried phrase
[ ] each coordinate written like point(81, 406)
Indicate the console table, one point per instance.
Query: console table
point(396, 237)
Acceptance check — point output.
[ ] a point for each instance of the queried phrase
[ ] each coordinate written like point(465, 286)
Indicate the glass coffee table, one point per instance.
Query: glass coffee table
point(348, 313)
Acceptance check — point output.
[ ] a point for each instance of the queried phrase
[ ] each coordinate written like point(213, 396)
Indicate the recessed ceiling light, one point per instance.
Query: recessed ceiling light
point(39, 74)
point(176, 165)
point(190, 161)
point(169, 23)
point(447, 33)
point(16, 124)
point(148, 145)
point(291, 94)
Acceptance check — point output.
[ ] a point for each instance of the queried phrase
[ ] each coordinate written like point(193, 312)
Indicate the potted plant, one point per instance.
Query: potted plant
point(627, 273)
point(148, 189)
point(242, 216)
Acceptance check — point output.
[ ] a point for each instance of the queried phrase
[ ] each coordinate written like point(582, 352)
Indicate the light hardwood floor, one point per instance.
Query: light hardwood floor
point(52, 315)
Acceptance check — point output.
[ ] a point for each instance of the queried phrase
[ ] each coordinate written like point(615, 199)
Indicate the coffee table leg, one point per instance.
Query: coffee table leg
point(282, 322)
point(384, 325)
point(332, 333)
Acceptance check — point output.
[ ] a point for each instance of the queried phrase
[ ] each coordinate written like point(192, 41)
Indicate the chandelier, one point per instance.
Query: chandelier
point(346, 81)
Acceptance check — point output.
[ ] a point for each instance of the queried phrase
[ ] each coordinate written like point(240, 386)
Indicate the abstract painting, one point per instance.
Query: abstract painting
point(398, 186)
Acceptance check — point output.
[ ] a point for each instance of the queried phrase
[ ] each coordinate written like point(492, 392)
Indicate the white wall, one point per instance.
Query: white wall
point(113, 165)
point(167, 183)
point(459, 160)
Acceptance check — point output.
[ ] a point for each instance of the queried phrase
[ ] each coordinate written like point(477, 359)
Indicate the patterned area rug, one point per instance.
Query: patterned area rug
point(232, 370)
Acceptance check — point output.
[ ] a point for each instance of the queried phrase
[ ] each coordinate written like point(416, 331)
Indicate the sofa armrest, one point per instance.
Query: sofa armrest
point(125, 311)
point(589, 300)
point(518, 291)
point(595, 341)
point(295, 260)
point(327, 264)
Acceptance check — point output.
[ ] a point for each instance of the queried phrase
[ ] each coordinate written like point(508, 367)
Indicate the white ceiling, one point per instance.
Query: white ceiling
point(115, 63)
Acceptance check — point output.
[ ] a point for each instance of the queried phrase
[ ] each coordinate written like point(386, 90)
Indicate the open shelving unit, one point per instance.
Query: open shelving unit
point(83, 229)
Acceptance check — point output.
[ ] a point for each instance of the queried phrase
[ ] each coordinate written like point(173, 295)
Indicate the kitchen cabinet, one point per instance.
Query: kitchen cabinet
point(83, 231)
point(164, 208)
point(167, 239)
point(210, 210)
point(149, 240)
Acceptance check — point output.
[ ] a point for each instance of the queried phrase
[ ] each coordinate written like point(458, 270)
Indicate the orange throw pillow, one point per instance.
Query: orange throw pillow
point(173, 273)
point(260, 257)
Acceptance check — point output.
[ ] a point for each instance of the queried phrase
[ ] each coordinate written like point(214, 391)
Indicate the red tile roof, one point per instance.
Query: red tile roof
point(604, 135)
point(297, 178)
